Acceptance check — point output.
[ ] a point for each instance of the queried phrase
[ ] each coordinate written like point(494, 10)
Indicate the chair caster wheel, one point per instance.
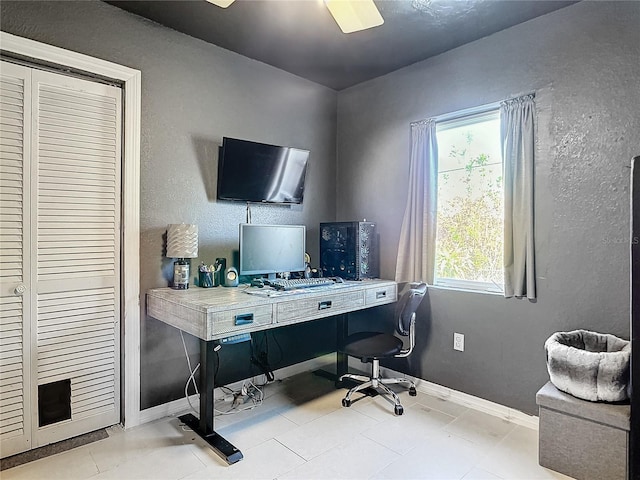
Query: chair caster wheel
point(346, 403)
point(412, 391)
point(398, 410)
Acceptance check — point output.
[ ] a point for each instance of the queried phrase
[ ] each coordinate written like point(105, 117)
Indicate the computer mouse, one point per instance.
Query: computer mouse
point(257, 282)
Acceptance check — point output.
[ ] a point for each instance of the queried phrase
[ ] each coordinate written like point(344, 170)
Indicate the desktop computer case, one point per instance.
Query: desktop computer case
point(349, 250)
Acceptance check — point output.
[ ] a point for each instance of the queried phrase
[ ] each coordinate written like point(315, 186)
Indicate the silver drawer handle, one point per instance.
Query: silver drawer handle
point(324, 305)
point(382, 294)
point(244, 319)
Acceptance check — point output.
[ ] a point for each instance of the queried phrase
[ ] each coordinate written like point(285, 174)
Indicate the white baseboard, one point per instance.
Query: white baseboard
point(328, 361)
point(166, 409)
point(181, 405)
point(460, 398)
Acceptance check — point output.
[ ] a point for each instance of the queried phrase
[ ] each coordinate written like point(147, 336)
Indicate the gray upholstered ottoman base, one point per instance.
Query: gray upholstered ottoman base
point(582, 439)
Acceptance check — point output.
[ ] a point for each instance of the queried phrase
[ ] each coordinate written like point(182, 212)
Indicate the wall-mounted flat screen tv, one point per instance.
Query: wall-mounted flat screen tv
point(257, 172)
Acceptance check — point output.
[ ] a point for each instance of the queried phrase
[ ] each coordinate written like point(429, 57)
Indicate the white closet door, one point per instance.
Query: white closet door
point(15, 331)
point(77, 152)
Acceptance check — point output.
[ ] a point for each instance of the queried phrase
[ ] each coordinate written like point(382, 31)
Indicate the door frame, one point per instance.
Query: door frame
point(130, 79)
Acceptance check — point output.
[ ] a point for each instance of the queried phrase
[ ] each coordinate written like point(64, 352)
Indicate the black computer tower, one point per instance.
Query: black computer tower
point(349, 250)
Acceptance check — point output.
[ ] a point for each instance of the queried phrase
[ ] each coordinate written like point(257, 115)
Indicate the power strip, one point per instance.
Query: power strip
point(239, 338)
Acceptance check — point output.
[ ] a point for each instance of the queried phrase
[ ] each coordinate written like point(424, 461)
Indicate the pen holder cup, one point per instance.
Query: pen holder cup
point(205, 279)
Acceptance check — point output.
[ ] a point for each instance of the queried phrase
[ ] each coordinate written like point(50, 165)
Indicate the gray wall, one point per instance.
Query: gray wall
point(583, 62)
point(193, 94)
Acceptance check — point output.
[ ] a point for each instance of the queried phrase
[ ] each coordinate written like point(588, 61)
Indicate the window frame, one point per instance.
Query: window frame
point(458, 119)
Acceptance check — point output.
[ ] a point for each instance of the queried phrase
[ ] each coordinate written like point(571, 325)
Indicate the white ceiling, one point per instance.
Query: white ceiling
point(301, 37)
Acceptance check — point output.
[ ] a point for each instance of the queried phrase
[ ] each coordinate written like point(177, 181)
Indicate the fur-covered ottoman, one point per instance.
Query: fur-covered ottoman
point(589, 365)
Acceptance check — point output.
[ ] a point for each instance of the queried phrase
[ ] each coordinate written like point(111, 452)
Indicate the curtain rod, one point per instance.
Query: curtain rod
point(445, 117)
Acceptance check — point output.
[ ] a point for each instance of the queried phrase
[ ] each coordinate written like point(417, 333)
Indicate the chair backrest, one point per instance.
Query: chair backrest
point(408, 305)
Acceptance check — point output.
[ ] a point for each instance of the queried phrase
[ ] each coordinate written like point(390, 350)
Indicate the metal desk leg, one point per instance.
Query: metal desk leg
point(342, 330)
point(204, 426)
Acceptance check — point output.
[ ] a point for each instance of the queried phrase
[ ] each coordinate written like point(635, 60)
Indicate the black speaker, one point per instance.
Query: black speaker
point(349, 250)
point(231, 277)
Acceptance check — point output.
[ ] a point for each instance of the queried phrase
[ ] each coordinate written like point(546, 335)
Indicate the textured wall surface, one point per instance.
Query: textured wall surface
point(193, 94)
point(583, 63)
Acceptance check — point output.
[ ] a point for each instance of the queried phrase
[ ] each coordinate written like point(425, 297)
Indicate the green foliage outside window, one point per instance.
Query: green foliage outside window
point(470, 216)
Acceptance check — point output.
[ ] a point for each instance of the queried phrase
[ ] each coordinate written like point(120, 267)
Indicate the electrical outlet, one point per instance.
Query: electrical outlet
point(458, 342)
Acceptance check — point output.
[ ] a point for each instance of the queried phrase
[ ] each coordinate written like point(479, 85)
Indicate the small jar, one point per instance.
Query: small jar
point(205, 279)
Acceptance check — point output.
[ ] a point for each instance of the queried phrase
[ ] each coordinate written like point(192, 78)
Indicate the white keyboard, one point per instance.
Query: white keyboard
point(282, 284)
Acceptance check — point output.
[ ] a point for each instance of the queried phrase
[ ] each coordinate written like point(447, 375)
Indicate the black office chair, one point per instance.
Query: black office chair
point(374, 346)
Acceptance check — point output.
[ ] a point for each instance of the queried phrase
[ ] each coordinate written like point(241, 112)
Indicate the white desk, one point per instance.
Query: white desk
point(214, 313)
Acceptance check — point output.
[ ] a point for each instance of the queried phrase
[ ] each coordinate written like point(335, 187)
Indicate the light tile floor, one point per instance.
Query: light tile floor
point(301, 431)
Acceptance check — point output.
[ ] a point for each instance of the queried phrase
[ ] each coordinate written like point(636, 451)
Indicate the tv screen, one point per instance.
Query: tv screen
point(271, 249)
point(257, 172)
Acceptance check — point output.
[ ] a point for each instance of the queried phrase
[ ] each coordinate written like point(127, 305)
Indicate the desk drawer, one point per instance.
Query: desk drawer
point(300, 310)
point(241, 320)
point(381, 295)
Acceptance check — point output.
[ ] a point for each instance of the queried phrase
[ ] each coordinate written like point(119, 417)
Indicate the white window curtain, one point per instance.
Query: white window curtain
point(517, 137)
point(417, 247)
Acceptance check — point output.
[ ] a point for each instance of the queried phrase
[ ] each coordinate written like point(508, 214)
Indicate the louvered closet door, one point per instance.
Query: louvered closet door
point(15, 331)
point(76, 149)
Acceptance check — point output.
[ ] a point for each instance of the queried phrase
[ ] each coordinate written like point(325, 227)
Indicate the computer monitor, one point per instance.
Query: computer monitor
point(271, 249)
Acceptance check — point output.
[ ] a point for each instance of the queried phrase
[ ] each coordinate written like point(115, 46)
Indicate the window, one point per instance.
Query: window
point(470, 218)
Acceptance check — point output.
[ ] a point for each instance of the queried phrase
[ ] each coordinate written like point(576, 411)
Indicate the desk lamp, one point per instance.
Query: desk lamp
point(182, 243)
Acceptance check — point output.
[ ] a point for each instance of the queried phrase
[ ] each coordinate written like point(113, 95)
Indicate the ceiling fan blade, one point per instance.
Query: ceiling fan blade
point(221, 3)
point(354, 15)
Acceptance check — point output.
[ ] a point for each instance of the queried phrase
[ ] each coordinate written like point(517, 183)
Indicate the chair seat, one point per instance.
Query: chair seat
point(370, 345)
